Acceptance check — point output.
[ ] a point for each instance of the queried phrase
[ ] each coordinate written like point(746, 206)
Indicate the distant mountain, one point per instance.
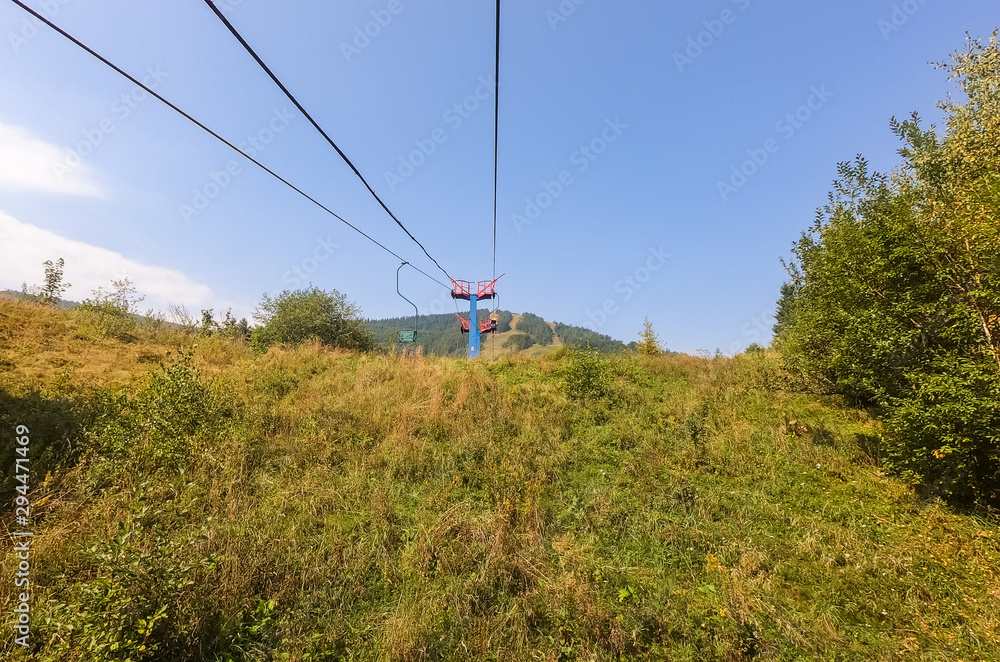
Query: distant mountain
point(441, 335)
point(526, 334)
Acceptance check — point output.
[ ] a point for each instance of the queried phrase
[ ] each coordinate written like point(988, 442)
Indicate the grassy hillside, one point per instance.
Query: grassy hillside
point(310, 504)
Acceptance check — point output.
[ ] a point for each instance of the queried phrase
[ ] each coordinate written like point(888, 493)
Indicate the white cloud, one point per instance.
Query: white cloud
point(24, 247)
point(28, 163)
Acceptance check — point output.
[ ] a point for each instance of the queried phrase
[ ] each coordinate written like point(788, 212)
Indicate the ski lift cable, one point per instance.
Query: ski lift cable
point(496, 137)
point(215, 135)
point(315, 124)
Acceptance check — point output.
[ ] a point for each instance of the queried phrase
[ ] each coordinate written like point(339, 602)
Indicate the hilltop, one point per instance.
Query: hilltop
point(518, 334)
point(440, 335)
point(194, 500)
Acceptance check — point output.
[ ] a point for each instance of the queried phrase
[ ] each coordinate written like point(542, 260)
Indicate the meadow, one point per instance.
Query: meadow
point(193, 499)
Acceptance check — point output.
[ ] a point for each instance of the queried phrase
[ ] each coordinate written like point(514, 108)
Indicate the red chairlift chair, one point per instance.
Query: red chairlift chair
point(488, 325)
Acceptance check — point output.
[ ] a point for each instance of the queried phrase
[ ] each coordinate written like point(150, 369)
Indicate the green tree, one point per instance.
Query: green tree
point(536, 328)
point(504, 320)
point(232, 328)
point(51, 292)
point(649, 344)
point(786, 301)
point(895, 291)
point(208, 323)
point(578, 336)
point(518, 342)
point(54, 286)
point(294, 317)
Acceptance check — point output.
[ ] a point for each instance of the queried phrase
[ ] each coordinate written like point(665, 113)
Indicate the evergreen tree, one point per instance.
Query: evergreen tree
point(649, 344)
point(208, 323)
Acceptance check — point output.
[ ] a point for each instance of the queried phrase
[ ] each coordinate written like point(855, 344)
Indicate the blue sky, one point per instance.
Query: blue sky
point(624, 127)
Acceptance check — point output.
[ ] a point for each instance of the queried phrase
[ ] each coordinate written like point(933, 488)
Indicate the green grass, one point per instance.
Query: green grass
point(311, 504)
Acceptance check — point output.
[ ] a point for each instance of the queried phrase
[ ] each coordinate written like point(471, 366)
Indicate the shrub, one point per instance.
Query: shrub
point(895, 301)
point(154, 429)
point(294, 317)
point(113, 312)
point(126, 607)
point(586, 373)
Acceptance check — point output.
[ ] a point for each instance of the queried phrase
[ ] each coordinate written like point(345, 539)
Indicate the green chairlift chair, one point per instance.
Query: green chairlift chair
point(407, 336)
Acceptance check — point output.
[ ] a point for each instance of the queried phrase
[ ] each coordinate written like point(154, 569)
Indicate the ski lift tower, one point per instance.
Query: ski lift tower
point(473, 292)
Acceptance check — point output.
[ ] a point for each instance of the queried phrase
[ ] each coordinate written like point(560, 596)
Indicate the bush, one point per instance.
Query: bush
point(127, 607)
point(586, 373)
point(113, 312)
point(895, 300)
point(157, 428)
point(294, 317)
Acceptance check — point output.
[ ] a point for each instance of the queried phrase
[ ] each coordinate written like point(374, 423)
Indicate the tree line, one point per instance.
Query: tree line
point(894, 291)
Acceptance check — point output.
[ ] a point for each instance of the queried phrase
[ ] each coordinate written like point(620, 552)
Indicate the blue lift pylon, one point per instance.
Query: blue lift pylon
point(473, 292)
